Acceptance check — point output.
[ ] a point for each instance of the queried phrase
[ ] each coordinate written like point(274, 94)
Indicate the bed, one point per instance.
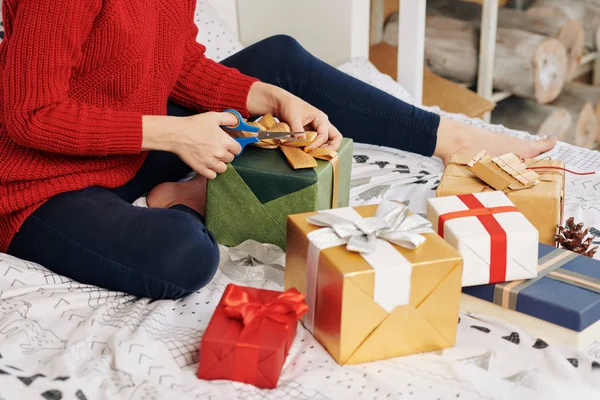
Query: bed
point(60, 339)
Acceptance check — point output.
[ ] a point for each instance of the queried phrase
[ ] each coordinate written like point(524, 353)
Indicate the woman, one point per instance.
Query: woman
point(86, 88)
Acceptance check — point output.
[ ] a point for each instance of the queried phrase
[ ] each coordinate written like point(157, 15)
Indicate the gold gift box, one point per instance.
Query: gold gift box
point(350, 324)
point(542, 204)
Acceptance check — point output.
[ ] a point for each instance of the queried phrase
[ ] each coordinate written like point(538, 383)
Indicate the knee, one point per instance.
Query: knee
point(189, 261)
point(286, 48)
point(282, 42)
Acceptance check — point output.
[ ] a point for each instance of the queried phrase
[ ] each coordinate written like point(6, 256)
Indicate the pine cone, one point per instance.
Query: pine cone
point(571, 237)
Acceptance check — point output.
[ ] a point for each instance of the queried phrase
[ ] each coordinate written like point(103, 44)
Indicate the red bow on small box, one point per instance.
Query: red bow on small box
point(286, 308)
point(249, 335)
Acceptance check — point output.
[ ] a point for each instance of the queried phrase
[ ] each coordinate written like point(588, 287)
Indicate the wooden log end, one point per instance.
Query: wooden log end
point(550, 61)
point(559, 123)
point(586, 130)
point(572, 36)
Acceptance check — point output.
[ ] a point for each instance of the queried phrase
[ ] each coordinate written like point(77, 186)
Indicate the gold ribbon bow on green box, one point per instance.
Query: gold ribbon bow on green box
point(253, 198)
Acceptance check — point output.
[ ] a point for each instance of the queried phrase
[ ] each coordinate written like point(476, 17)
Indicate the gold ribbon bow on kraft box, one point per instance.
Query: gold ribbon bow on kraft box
point(379, 283)
point(536, 187)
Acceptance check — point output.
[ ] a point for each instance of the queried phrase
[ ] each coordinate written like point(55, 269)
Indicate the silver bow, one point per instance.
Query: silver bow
point(391, 222)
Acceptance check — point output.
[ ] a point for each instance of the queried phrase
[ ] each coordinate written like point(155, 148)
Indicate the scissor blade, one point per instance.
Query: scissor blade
point(262, 135)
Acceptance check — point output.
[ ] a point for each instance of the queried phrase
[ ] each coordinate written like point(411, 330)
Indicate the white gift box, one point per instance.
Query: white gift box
point(496, 241)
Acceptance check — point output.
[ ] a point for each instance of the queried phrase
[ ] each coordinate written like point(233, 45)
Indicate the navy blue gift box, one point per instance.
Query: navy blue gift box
point(566, 291)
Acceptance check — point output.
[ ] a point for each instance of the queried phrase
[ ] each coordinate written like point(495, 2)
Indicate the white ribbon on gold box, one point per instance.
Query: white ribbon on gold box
point(372, 238)
point(379, 282)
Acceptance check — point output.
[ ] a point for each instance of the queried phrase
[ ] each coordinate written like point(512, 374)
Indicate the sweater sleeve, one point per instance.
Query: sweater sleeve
point(204, 84)
point(45, 43)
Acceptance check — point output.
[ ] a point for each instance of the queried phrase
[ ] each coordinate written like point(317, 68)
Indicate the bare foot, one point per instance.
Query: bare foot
point(191, 193)
point(456, 138)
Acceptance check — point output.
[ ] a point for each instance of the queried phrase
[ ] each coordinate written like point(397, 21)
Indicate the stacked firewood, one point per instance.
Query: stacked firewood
point(538, 51)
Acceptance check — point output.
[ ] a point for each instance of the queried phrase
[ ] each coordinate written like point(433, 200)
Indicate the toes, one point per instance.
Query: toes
point(546, 144)
point(538, 147)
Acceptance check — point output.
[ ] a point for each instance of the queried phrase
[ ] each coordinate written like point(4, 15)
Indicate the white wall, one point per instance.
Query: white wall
point(226, 9)
point(333, 30)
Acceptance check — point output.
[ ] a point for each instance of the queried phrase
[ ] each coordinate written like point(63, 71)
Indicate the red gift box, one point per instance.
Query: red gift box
point(250, 334)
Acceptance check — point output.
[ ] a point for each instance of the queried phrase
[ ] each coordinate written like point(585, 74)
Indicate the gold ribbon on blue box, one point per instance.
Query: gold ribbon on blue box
point(566, 291)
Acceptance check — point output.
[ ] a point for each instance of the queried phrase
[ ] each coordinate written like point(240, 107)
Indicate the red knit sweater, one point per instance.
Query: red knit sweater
point(76, 78)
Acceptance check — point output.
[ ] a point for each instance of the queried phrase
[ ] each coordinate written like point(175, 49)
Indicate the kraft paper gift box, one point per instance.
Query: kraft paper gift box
point(496, 241)
point(249, 335)
point(560, 305)
point(387, 301)
point(542, 204)
point(253, 198)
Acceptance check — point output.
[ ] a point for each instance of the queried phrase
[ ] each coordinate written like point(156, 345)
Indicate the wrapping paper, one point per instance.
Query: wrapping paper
point(253, 262)
point(250, 335)
point(542, 204)
point(364, 313)
point(497, 242)
point(107, 357)
point(566, 291)
point(252, 199)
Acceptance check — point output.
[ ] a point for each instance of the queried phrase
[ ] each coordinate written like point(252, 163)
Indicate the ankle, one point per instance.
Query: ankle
point(451, 138)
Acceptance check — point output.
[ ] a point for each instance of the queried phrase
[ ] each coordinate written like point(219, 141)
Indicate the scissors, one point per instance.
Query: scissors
point(261, 135)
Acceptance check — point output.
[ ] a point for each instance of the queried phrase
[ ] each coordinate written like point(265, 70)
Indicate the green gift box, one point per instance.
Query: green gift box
point(254, 197)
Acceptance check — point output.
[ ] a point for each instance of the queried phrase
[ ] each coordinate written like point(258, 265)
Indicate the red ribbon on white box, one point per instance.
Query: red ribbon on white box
point(498, 248)
point(496, 241)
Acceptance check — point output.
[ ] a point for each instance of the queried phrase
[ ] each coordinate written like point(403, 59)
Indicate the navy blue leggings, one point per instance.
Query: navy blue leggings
point(96, 236)
point(359, 111)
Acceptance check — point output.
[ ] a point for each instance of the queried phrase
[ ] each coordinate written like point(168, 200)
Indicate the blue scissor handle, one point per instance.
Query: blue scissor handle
point(245, 141)
point(241, 125)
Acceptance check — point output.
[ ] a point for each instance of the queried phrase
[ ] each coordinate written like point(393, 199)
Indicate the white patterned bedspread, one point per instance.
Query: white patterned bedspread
point(63, 340)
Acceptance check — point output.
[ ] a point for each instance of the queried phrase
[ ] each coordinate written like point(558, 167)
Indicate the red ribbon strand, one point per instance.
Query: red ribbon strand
point(561, 169)
point(498, 246)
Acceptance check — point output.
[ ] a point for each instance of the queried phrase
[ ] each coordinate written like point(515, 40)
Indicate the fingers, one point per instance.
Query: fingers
point(207, 173)
point(232, 146)
point(296, 125)
point(335, 138)
point(218, 166)
point(226, 156)
point(224, 119)
point(212, 170)
point(322, 125)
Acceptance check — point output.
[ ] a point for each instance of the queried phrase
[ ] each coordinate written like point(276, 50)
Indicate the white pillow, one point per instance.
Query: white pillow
point(214, 33)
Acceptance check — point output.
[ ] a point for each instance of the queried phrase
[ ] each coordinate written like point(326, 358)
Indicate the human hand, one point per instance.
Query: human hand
point(298, 114)
point(204, 146)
